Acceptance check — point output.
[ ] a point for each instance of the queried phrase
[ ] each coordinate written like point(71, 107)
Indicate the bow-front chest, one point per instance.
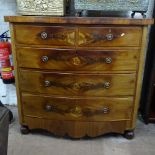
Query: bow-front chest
point(78, 75)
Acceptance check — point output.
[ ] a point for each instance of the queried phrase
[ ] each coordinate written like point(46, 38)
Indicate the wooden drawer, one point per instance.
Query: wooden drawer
point(81, 60)
point(77, 84)
point(84, 109)
point(44, 35)
point(109, 36)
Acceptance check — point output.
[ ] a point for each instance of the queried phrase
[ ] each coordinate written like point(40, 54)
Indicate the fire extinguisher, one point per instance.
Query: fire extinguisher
point(7, 69)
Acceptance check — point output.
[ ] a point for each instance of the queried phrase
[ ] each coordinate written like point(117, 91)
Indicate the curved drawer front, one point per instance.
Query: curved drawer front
point(77, 84)
point(45, 35)
point(109, 36)
point(85, 109)
point(69, 60)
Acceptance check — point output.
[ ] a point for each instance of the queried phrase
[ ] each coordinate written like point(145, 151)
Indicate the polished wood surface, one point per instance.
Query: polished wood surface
point(140, 76)
point(80, 20)
point(72, 60)
point(109, 36)
point(76, 129)
point(78, 76)
point(86, 36)
point(81, 109)
point(16, 72)
point(45, 35)
point(77, 84)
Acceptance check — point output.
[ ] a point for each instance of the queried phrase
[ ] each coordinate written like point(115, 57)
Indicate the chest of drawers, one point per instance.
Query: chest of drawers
point(78, 76)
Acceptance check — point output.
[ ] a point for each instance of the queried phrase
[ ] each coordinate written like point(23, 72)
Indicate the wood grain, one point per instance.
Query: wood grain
point(77, 84)
point(80, 20)
point(19, 103)
point(81, 109)
point(140, 76)
point(76, 129)
point(73, 91)
point(53, 35)
point(72, 60)
point(98, 36)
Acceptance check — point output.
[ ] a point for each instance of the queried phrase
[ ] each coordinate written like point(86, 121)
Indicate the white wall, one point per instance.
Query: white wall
point(7, 92)
point(7, 7)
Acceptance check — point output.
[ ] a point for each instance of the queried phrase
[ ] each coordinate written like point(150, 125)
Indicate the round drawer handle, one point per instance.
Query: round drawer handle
point(44, 35)
point(108, 60)
point(106, 110)
point(47, 83)
point(107, 85)
point(110, 37)
point(48, 108)
point(44, 58)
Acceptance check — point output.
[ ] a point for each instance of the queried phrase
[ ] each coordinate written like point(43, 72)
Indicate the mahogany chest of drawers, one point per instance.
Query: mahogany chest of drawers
point(78, 76)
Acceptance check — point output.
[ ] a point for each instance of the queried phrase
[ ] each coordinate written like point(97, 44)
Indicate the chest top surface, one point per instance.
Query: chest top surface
point(80, 20)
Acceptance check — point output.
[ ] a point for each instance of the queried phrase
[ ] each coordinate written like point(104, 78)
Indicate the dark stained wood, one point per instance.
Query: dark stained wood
point(45, 35)
point(77, 84)
point(81, 109)
point(79, 20)
point(72, 60)
point(109, 36)
point(86, 36)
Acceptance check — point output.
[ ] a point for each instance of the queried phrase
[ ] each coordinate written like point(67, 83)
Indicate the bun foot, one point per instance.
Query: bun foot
point(24, 130)
point(129, 135)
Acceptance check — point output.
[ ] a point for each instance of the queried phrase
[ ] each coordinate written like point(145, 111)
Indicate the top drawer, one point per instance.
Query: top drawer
point(109, 36)
point(45, 35)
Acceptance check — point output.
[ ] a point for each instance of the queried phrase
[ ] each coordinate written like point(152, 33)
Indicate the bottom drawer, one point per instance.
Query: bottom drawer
point(82, 109)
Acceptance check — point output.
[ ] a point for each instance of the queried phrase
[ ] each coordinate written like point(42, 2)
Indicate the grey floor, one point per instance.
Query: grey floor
point(46, 144)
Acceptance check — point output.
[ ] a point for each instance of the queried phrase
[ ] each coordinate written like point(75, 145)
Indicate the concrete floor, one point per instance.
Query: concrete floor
point(46, 144)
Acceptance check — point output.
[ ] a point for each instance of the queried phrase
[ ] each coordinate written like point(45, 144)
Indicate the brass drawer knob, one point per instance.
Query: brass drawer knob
point(44, 35)
point(47, 83)
point(48, 108)
point(44, 58)
point(108, 60)
point(107, 85)
point(110, 37)
point(106, 110)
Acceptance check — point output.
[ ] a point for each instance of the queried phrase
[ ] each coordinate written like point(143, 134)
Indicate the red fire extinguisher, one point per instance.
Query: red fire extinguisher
point(7, 69)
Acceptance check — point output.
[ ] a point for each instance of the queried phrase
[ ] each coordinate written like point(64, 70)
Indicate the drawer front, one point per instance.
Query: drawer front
point(77, 84)
point(109, 36)
point(85, 109)
point(44, 35)
point(81, 60)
